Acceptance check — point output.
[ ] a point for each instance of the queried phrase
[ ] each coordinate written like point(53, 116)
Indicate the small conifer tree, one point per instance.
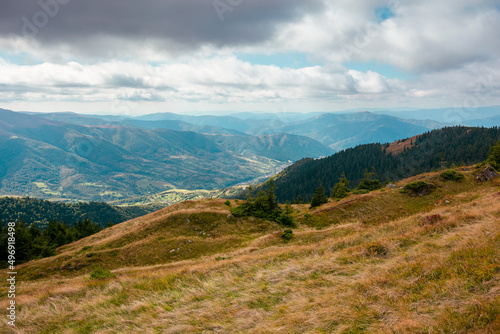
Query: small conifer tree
point(341, 189)
point(494, 158)
point(319, 197)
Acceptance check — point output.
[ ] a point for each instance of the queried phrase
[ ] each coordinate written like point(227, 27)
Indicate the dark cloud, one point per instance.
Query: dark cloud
point(188, 23)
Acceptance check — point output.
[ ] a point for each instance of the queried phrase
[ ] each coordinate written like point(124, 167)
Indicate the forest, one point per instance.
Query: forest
point(40, 212)
point(434, 150)
point(31, 242)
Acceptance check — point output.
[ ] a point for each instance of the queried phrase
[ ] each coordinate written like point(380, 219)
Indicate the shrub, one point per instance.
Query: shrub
point(361, 191)
point(377, 249)
point(228, 203)
point(418, 188)
point(287, 235)
point(101, 274)
point(286, 220)
point(452, 175)
point(369, 185)
point(369, 182)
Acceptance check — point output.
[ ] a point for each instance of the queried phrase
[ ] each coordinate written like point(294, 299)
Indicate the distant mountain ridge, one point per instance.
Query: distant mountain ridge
point(109, 161)
point(338, 131)
point(70, 156)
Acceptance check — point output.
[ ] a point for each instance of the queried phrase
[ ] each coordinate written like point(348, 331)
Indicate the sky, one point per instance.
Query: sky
point(207, 56)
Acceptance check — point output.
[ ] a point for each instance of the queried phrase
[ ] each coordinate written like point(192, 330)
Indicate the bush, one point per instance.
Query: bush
point(418, 188)
point(228, 203)
point(369, 185)
point(286, 220)
point(263, 206)
point(361, 191)
point(287, 235)
point(101, 274)
point(452, 175)
point(369, 182)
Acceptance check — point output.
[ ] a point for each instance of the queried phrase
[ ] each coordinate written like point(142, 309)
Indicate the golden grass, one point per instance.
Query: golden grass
point(415, 265)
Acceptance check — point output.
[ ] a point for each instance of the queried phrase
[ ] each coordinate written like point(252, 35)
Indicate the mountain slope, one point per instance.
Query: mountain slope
point(137, 123)
point(460, 115)
point(457, 145)
point(341, 131)
point(40, 212)
point(378, 263)
point(51, 159)
point(338, 131)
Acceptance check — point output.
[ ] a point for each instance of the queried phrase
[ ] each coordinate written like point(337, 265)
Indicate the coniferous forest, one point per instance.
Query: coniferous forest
point(433, 150)
point(42, 226)
point(40, 212)
point(34, 243)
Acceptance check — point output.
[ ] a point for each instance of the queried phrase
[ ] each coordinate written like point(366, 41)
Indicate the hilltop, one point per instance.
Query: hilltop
point(382, 262)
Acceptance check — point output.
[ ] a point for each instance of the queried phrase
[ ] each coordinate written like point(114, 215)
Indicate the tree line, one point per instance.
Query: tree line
point(433, 150)
point(34, 243)
point(40, 212)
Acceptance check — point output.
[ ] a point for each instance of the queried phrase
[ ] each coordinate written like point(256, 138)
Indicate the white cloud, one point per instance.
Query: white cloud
point(450, 48)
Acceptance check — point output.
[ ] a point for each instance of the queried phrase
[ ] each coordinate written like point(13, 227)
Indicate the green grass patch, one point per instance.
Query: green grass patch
point(101, 274)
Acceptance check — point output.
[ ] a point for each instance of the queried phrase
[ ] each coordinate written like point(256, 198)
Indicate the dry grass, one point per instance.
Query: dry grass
point(399, 146)
point(381, 263)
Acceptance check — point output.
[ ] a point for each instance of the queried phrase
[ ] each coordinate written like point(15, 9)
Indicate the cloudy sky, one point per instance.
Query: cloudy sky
point(133, 57)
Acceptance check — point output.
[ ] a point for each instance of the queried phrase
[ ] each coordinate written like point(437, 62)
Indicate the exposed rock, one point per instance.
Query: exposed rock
point(487, 174)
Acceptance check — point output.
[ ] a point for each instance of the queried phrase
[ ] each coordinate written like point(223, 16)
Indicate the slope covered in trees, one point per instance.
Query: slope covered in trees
point(430, 151)
point(40, 212)
point(35, 243)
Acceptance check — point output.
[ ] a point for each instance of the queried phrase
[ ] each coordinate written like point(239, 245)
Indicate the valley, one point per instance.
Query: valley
point(168, 158)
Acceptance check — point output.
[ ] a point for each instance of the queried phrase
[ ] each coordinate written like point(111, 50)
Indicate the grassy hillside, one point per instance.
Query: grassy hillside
point(384, 262)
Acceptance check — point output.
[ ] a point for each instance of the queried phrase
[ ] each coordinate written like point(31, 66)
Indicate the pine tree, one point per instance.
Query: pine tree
point(368, 182)
point(319, 197)
point(341, 189)
point(494, 158)
point(271, 196)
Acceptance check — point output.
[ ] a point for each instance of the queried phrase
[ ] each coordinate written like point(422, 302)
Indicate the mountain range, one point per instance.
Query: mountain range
point(73, 157)
point(53, 159)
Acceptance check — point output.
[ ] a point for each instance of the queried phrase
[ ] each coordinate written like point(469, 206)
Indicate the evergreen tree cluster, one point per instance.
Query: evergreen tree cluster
point(34, 243)
point(265, 206)
point(341, 189)
point(431, 151)
point(40, 212)
point(494, 158)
